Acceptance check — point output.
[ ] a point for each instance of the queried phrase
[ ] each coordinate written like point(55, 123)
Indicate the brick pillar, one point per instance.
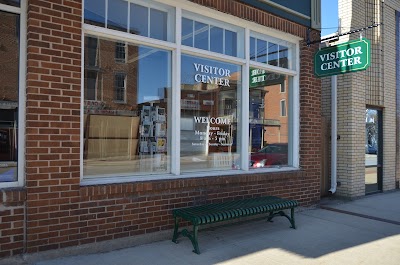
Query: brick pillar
point(53, 97)
point(310, 122)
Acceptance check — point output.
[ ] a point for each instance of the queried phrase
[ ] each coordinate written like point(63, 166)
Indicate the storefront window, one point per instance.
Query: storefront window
point(144, 18)
point(210, 109)
point(269, 120)
point(129, 115)
point(9, 85)
point(126, 108)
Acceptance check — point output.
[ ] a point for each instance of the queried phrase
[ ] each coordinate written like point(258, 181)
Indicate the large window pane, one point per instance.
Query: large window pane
point(158, 24)
point(125, 126)
point(9, 67)
point(117, 15)
point(95, 12)
point(269, 119)
point(139, 23)
point(209, 114)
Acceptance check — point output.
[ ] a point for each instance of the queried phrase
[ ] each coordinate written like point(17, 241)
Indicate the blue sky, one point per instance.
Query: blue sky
point(329, 16)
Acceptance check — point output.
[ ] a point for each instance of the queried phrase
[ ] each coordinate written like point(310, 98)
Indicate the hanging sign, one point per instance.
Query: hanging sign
point(344, 58)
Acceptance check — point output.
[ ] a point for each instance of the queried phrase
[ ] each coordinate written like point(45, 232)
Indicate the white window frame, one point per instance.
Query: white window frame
point(120, 74)
point(121, 60)
point(22, 12)
point(283, 87)
point(283, 108)
point(182, 9)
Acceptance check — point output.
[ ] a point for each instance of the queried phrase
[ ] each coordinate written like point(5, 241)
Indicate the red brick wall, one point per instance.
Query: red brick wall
point(310, 121)
point(60, 213)
point(120, 210)
point(12, 219)
point(53, 121)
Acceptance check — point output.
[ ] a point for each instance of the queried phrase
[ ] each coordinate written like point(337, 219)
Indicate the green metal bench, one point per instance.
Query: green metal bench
point(212, 213)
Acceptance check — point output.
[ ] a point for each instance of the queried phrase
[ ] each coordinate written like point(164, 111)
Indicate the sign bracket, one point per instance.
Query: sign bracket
point(309, 42)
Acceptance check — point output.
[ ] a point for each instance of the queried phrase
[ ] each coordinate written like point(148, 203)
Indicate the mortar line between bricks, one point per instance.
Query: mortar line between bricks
point(360, 215)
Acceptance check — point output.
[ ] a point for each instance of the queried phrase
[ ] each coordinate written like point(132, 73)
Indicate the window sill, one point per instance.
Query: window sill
point(98, 180)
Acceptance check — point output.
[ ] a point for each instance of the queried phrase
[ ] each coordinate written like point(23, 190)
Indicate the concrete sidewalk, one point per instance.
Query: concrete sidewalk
point(347, 233)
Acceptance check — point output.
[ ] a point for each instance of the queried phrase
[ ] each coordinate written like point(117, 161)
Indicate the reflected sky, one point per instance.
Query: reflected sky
point(154, 74)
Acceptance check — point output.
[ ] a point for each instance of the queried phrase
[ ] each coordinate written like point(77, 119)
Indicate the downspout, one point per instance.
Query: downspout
point(333, 134)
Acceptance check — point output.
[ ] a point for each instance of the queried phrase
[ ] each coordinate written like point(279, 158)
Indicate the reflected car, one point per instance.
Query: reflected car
point(370, 149)
point(271, 155)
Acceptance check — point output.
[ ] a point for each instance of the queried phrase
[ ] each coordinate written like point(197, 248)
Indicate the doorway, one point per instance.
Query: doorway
point(373, 151)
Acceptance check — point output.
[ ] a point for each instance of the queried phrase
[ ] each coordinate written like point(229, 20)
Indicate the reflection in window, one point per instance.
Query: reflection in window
point(120, 52)
point(261, 51)
point(117, 15)
point(187, 32)
point(269, 53)
point(143, 20)
point(283, 56)
point(91, 84)
point(119, 87)
point(11, 2)
point(91, 51)
point(139, 20)
point(230, 43)
point(216, 39)
point(269, 122)
point(272, 54)
point(158, 24)
point(283, 107)
point(201, 35)
point(95, 12)
point(9, 84)
point(209, 114)
point(126, 108)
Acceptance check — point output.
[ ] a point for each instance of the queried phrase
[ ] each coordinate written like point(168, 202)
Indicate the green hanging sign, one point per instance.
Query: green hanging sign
point(344, 58)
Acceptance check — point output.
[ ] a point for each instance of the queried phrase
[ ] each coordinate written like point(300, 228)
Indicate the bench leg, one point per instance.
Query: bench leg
point(191, 235)
point(292, 221)
point(176, 233)
point(195, 243)
point(193, 238)
point(282, 213)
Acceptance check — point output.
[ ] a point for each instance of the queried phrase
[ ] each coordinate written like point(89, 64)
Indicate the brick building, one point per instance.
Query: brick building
point(367, 112)
point(129, 109)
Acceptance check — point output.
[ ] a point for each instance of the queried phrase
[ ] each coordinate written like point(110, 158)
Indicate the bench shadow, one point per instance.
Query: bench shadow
point(332, 232)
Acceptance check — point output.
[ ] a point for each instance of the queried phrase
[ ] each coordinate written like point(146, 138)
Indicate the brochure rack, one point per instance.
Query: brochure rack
point(153, 139)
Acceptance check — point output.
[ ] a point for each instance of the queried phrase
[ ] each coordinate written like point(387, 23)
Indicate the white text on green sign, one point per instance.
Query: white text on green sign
point(344, 58)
